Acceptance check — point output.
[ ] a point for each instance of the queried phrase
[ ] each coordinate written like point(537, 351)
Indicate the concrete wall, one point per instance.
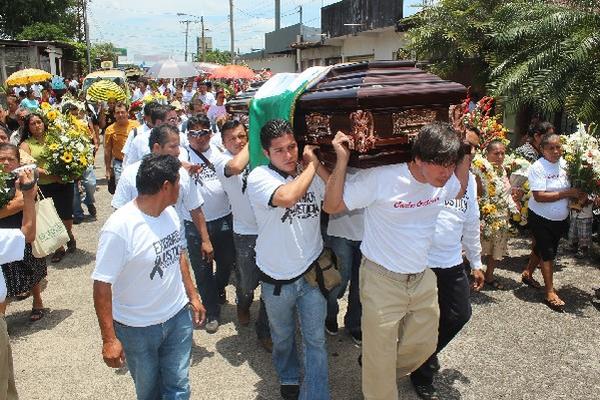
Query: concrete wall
point(285, 63)
point(382, 45)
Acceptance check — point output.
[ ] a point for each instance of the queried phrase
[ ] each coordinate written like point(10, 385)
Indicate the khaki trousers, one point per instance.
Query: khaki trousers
point(400, 326)
point(8, 391)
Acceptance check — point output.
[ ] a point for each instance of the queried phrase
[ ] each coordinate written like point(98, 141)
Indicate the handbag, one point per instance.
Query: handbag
point(50, 232)
point(324, 272)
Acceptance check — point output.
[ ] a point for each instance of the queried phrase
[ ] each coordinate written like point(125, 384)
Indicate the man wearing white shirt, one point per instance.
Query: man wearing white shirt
point(287, 206)
point(457, 228)
point(217, 211)
point(144, 130)
point(141, 91)
point(144, 295)
point(188, 93)
point(398, 292)
point(12, 248)
point(208, 99)
point(139, 146)
point(232, 169)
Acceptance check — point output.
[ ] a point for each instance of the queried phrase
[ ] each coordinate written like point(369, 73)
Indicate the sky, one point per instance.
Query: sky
point(152, 27)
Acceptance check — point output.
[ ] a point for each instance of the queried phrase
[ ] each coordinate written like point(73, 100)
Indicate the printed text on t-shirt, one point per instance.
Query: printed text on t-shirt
point(418, 204)
point(167, 252)
point(305, 208)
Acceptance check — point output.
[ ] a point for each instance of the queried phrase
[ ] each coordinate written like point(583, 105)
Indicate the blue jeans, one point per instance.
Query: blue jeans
point(309, 304)
point(117, 166)
point(348, 256)
point(210, 283)
point(88, 181)
point(246, 277)
point(158, 357)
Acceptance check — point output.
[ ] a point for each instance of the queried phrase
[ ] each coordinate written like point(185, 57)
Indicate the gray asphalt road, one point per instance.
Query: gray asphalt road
point(513, 348)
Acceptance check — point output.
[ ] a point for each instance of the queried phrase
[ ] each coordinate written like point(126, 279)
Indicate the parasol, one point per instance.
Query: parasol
point(27, 76)
point(172, 69)
point(105, 90)
point(233, 72)
point(206, 67)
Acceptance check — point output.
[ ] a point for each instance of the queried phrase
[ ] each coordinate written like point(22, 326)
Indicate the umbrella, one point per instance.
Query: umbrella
point(27, 76)
point(105, 90)
point(206, 67)
point(172, 69)
point(233, 72)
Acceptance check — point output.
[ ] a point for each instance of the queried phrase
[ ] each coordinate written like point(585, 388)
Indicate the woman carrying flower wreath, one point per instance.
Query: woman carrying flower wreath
point(53, 186)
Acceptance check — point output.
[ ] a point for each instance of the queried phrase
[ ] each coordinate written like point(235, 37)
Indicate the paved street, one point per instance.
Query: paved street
point(513, 348)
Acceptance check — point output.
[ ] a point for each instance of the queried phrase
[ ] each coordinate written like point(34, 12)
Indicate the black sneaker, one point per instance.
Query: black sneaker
point(427, 392)
point(435, 364)
point(356, 337)
point(92, 210)
point(331, 327)
point(290, 392)
point(77, 221)
point(222, 298)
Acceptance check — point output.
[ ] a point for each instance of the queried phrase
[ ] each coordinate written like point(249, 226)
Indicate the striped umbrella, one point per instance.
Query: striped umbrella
point(27, 76)
point(105, 90)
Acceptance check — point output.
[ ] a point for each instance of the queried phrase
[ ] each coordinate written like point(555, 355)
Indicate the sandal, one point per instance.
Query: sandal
point(495, 285)
point(23, 296)
point(555, 304)
point(71, 246)
point(529, 281)
point(58, 255)
point(36, 314)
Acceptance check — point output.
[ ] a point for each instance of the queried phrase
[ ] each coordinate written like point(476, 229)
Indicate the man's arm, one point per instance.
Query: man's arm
point(237, 164)
point(333, 203)
point(112, 349)
point(288, 195)
point(462, 174)
point(206, 248)
point(197, 307)
point(108, 156)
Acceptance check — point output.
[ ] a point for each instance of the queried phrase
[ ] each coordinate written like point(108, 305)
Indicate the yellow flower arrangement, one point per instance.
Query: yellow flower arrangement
point(51, 115)
point(67, 157)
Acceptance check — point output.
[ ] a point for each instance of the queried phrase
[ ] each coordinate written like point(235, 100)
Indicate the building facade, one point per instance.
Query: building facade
point(53, 57)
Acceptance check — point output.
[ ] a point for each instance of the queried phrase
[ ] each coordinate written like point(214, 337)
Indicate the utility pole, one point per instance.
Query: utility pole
point(231, 32)
point(203, 43)
point(300, 39)
point(187, 23)
point(86, 28)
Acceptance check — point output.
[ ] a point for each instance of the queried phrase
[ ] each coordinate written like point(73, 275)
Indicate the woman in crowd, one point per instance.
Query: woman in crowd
point(217, 110)
point(531, 149)
point(51, 186)
point(22, 277)
point(548, 214)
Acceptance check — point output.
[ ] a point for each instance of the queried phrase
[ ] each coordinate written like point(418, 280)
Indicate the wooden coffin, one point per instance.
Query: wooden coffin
point(382, 105)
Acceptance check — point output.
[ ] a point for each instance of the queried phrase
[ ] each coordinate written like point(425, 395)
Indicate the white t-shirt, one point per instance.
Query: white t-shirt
point(186, 96)
point(236, 187)
point(139, 256)
point(400, 215)
point(12, 248)
point(130, 158)
point(216, 202)
point(547, 177)
point(457, 223)
point(348, 225)
point(139, 147)
point(207, 99)
point(289, 239)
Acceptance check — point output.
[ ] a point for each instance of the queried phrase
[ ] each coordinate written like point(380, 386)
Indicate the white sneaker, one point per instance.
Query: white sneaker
point(212, 326)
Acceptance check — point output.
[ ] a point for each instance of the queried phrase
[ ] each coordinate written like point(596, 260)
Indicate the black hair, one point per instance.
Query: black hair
point(149, 107)
point(159, 112)
point(22, 93)
point(10, 146)
point(540, 127)
point(274, 129)
point(154, 170)
point(437, 143)
point(547, 137)
point(198, 119)
point(493, 143)
point(28, 92)
point(160, 134)
point(26, 132)
point(229, 125)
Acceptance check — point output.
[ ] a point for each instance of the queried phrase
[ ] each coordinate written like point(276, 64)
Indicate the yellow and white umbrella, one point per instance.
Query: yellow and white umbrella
point(105, 90)
point(27, 76)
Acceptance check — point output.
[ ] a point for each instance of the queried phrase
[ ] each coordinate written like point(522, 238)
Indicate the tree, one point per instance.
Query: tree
point(546, 55)
point(98, 52)
point(17, 15)
point(216, 56)
point(44, 31)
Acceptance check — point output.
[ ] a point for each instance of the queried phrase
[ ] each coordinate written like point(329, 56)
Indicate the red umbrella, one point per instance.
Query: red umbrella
point(233, 72)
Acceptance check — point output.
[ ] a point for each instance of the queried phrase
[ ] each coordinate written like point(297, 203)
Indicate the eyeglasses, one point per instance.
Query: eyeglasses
point(199, 133)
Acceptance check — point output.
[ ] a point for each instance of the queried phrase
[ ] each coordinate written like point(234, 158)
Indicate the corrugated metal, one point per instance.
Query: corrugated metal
point(369, 14)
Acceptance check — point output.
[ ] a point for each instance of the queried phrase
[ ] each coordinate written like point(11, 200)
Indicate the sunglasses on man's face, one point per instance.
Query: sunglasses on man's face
point(199, 133)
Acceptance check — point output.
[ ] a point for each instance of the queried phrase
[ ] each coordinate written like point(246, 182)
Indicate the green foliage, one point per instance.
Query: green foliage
point(17, 15)
point(44, 31)
point(216, 56)
point(546, 56)
point(98, 52)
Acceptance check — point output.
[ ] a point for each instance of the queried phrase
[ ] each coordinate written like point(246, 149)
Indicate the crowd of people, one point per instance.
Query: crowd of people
point(406, 236)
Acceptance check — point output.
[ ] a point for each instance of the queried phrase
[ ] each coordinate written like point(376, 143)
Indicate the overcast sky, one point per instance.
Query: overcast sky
point(153, 27)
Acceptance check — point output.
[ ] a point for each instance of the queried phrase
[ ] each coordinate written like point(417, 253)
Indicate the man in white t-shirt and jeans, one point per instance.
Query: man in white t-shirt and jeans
point(232, 169)
point(398, 292)
point(12, 248)
point(287, 206)
point(144, 295)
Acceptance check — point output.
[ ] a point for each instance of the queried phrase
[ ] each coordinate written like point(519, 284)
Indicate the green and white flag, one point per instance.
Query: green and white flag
point(276, 100)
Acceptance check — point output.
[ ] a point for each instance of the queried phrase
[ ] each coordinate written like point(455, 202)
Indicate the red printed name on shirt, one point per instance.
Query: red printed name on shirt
point(418, 204)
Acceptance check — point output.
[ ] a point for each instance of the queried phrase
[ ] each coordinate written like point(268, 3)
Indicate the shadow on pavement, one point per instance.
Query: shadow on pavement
point(445, 380)
point(19, 325)
point(576, 300)
point(74, 260)
point(199, 353)
point(480, 298)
